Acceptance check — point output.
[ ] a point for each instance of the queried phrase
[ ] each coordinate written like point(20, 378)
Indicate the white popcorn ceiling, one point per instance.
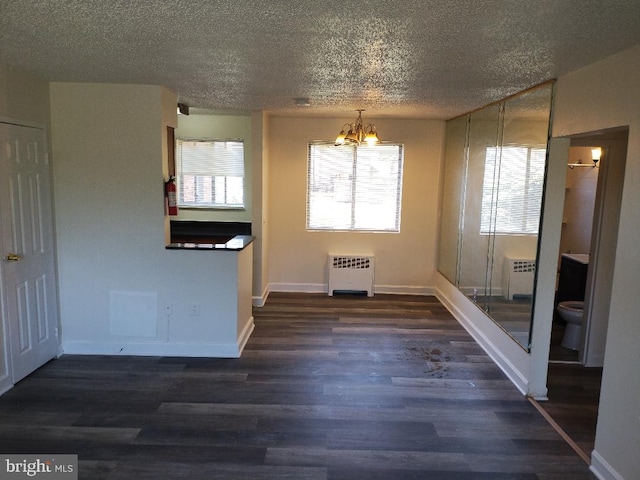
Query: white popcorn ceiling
point(412, 58)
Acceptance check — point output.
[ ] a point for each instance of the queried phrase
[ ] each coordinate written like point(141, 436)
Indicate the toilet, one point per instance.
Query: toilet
point(571, 312)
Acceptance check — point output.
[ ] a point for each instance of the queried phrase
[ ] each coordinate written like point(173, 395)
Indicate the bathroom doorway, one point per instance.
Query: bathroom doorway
point(575, 243)
point(574, 381)
point(591, 215)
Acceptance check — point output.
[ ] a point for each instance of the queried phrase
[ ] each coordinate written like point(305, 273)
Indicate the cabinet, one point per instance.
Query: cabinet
point(573, 278)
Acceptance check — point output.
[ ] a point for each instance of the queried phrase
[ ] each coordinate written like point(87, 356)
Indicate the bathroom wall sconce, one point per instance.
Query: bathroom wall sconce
point(596, 153)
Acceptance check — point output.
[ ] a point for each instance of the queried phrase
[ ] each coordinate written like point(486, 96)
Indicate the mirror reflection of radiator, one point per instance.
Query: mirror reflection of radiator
point(351, 273)
point(517, 277)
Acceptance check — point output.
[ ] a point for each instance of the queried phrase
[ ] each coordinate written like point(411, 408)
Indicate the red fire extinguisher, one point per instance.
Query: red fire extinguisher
point(170, 193)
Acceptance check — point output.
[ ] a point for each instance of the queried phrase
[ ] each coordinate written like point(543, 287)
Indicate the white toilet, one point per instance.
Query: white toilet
point(571, 312)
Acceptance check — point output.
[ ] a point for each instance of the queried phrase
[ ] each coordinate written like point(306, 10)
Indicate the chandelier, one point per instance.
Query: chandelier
point(357, 133)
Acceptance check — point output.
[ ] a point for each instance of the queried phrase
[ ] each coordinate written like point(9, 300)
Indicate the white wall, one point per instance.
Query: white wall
point(109, 151)
point(405, 261)
point(600, 96)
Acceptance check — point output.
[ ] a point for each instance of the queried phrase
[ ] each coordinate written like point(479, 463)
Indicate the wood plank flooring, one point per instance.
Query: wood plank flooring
point(574, 395)
point(328, 388)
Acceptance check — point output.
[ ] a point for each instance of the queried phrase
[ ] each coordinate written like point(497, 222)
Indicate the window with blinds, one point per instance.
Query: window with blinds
point(210, 174)
point(354, 187)
point(512, 190)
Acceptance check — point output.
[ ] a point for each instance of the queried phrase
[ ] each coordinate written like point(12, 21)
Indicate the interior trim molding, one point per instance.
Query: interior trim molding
point(298, 287)
point(244, 336)
point(260, 300)
point(583, 455)
point(324, 288)
point(602, 469)
point(509, 369)
point(211, 350)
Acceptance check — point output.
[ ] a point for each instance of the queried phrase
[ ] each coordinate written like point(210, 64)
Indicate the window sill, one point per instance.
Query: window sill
point(192, 207)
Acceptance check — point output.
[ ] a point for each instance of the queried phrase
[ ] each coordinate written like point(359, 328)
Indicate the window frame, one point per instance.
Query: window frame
point(357, 205)
point(214, 179)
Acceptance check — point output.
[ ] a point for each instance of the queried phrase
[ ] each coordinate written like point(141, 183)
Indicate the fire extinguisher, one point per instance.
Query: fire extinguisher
point(170, 193)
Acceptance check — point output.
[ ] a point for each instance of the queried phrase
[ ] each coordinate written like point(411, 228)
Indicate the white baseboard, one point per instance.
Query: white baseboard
point(299, 287)
point(324, 288)
point(212, 350)
point(404, 290)
point(245, 334)
point(601, 468)
point(498, 357)
point(259, 301)
point(195, 349)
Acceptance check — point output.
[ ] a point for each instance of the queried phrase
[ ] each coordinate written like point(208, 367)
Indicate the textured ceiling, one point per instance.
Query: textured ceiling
point(411, 58)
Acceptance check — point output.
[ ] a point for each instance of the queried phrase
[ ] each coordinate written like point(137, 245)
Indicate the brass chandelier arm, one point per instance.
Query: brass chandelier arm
point(358, 133)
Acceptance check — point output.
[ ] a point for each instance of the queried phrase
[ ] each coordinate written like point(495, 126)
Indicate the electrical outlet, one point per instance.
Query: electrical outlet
point(194, 309)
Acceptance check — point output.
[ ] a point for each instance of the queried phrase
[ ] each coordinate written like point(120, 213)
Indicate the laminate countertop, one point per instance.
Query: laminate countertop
point(578, 257)
point(221, 243)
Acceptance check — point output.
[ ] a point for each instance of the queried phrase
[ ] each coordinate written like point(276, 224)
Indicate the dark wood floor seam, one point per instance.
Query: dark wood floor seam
point(584, 456)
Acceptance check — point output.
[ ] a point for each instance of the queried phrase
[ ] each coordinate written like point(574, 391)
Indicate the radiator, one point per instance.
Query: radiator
point(517, 277)
point(352, 273)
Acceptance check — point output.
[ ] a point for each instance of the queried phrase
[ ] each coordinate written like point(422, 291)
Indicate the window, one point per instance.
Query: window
point(210, 173)
point(512, 190)
point(354, 188)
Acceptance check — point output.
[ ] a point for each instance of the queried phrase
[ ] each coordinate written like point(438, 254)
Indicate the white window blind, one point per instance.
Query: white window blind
point(512, 190)
point(354, 188)
point(210, 173)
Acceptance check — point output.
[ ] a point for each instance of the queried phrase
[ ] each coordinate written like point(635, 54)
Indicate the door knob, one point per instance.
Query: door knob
point(13, 257)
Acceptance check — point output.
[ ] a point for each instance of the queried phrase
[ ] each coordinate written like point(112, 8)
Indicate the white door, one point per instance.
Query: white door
point(26, 240)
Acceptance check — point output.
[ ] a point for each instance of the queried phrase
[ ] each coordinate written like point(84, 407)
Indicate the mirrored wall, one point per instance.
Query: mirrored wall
point(492, 195)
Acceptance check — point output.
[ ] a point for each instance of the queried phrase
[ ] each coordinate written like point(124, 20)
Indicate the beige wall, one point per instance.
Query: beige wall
point(260, 218)
point(405, 261)
point(601, 96)
point(578, 203)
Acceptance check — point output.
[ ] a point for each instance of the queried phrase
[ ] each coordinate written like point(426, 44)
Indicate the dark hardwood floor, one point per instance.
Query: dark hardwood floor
point(574, 395)
point(337, 388)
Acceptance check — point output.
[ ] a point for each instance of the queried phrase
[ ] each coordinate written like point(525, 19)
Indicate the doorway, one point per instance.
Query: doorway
point(590, 226)
point(574, 385)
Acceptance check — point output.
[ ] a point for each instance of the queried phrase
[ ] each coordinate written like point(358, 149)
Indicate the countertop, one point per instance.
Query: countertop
point(236, 243)
point(578, 257)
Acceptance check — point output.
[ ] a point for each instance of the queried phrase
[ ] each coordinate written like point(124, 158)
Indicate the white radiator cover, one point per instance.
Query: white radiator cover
point(352, 273)
point(517, 277)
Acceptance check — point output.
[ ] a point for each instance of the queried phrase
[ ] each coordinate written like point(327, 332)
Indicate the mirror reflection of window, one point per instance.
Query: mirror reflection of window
point(491, 205)
point(512, 190)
